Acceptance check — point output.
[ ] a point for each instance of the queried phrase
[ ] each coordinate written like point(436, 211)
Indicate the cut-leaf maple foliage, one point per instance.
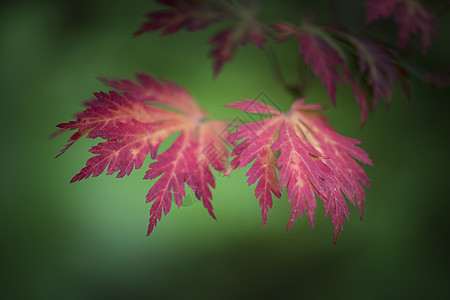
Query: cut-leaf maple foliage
point(321, 47)
point(194, 15)
point(317, 52)
point(298, 149)
point(136, 123)
point(378, 65)
point(378, 71)
point(106, 112)
point(411, 17)
point(310, 156)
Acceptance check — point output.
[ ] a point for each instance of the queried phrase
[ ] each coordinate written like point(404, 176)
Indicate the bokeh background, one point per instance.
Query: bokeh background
point(88, 240)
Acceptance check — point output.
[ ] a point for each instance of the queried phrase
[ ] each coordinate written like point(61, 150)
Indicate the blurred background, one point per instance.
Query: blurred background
point(88, 240)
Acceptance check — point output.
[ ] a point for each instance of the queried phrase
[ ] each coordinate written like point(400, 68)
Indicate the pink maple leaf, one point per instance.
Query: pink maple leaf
point(151, 90)
point(382, 71)
point(174, 165)
point(226, 42)
point(311, 157)
point(317, 52)
point(411, 17)
point(187, 161)
point(321, 48)
point(136, 123)
point(106, 112)
point(194, 15)
point(378, 72)
point(127, 146)
point(362, 98)
point(261, 136)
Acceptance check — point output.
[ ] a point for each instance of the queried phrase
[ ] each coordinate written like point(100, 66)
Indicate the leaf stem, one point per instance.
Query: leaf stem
point(294, 90)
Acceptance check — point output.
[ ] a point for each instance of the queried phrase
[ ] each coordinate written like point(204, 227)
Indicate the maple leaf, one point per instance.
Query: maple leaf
point(310, 156)
point(162, 92)
point(228, 40)
point(186, 161)
point(261, 137)
point(411, 17)
point(194, 15)
point(135, 123)
point(376, 76)
point(317, 51)
point(106, 112)
point(381, 70)
point(362, 98)
point(127, 146)
point(378, 71)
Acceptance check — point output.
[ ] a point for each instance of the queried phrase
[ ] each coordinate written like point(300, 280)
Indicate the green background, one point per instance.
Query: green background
point(88, 240)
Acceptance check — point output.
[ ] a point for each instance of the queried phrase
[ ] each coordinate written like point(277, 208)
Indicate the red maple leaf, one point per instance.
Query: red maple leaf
point(378, 71)
point(228, 40)
point(194, 15)
point(317, 51)
point(310, 156)
point(362, 98)
point(106, 112)
point(321, 48)
point(150, 90)
point(380, 67)
point(132, 127)
point(261, 137)
point(411, 17)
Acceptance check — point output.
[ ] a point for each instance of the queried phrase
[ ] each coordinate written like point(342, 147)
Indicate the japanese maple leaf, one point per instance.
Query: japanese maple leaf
point(362, 98)
point(150, 90)
point(383, 74)
point(411, 17)
point(311, 158)
point(378, 71)
point(134, 124)
point(194, 15)
point(317, 51)
point(105, 113)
